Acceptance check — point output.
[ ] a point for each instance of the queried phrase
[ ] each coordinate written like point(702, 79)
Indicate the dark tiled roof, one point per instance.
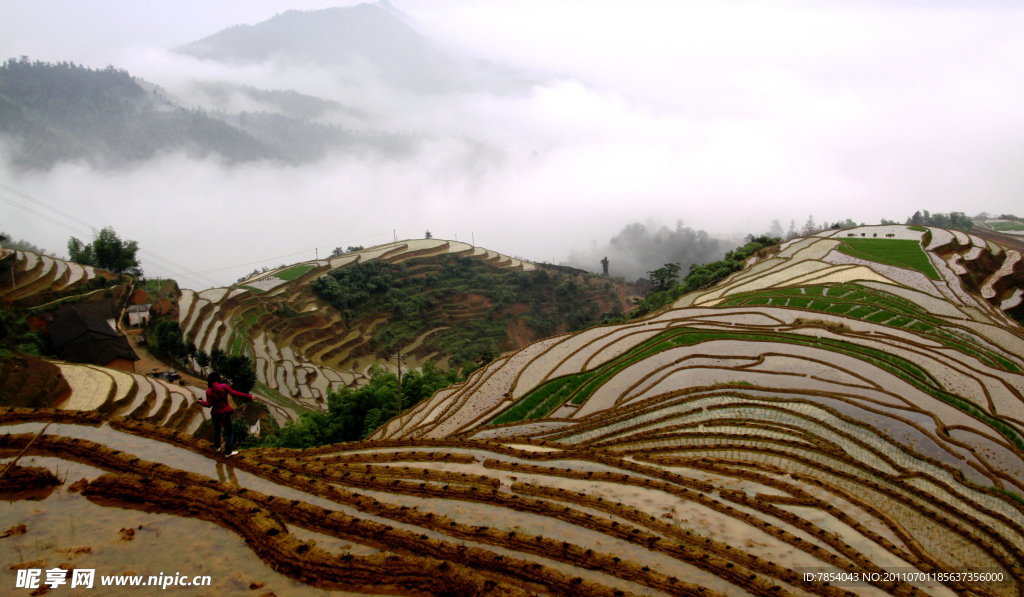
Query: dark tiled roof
point(100, 352)
point(85, 338)
point(102, 308)
point(72, 326)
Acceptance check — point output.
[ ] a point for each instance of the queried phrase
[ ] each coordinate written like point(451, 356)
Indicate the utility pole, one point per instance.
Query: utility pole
point(399, 357)
point(14, 254)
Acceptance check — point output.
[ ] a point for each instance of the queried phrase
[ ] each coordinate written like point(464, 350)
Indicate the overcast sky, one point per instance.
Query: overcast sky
point(722, 114)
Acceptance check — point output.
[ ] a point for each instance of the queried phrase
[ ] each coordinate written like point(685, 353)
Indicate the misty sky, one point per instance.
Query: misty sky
point(722, 114)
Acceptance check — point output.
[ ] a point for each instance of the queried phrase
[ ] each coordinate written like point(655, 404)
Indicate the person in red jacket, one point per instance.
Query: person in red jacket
point(220, 410)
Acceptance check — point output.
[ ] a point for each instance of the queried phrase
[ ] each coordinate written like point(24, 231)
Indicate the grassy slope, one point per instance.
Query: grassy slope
point(899, 252)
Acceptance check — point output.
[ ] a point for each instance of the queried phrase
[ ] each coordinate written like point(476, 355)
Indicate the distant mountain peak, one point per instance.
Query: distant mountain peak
point(375, 35)
point(326, 35)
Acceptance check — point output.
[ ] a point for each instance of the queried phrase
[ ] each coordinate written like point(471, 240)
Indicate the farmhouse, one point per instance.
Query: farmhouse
point(138, 315)
point(84, 337)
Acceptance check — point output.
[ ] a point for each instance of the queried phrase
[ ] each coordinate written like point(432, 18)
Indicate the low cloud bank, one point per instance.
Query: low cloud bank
point(746, 115)
point(642, 247)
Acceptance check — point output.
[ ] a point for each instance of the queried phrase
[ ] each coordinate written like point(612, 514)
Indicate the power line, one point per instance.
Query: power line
point(257, 262)
point(175, 266)
point(84, 226)
point(44, 216)
point(173, 269)
point(47, 206)
point(226, 267)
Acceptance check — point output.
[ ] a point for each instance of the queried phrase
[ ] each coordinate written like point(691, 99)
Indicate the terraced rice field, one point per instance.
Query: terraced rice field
point(133, 395)
point(36, 274)
point(301, 349)
point(95, 388)
point(711, 493)
point(896, 386)
point(782, 425)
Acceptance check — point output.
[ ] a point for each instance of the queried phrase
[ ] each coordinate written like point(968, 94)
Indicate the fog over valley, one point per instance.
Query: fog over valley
point(228, 137)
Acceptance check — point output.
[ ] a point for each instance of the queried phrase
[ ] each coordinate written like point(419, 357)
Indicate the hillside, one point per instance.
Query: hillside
point(53, 113)
point(317, 326)
point(843, 416)
point(63, 112)
point(33, 279)
point(932, 317)
point(37, 286)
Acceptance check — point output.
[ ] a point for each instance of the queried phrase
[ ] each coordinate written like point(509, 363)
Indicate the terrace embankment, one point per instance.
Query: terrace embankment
point(855, 410)
point(398, 497)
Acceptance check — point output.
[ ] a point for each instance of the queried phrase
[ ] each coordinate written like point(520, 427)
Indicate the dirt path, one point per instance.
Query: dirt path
point(148, 364)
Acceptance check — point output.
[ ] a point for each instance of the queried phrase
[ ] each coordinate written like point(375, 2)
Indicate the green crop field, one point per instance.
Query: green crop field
point(890, 251)
point(1005, 226)
point(240, 336)
point(859, 302)
point(293, 273)
point(579, 387)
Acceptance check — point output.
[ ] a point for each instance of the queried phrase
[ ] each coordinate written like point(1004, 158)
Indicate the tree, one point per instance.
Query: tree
point(238, 370)
point(352, 414)
point(960, 221)
point(809, 227)
point(169, 339)
point(955, 219)
point(202, 359)
point(22, 245)
point(428, 235)
point(664, 277)
point(702, 276)
point(108, 252)
point(80, 253)
point(17, 335)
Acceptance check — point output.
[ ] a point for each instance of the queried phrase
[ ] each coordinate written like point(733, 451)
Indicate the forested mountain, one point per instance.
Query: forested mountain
point(56, 112)
point(60, 112)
